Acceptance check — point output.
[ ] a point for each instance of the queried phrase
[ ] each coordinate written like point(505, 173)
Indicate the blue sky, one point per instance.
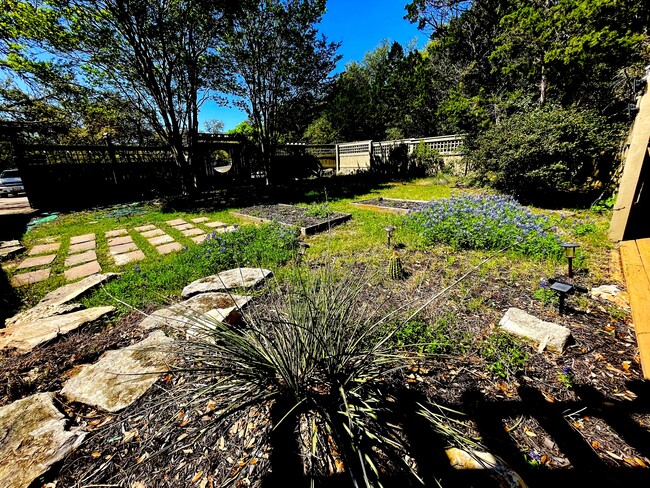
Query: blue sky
point(360, 25)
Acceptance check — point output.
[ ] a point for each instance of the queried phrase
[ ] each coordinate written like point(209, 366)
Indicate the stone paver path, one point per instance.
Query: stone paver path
point(116, 233)
point(123, 249)
point(80, 247)
point(199, 220)
point(164, 243)
point(215, 224)
point(189, 230)
point(44, 249)
point(82, 259)
point(29, 278)
point(37, 261)
point(82, 271)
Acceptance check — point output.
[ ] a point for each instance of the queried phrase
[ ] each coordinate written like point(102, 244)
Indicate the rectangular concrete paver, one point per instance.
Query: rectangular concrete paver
point(199, 239)
point(183, 226)
point(44, 248)
point(152, 233)
point(37, 261)
point(122, 248)
point(198, 220)
point(175, 222)
point(116, 233)
point(122, 259)
point(80, 258)
point(192, 232)
point(31, 277)
point(163, 239)
point(83, 238)
point(215, 224)
point(167, 248)
point(84, 246)
point(82, 271)
point(116, 241)
point(144, 228)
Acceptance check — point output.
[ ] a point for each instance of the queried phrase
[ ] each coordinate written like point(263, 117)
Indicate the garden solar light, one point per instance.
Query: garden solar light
point(570, 253)
point(389, 231)
point(302, 249)
point(562, 290)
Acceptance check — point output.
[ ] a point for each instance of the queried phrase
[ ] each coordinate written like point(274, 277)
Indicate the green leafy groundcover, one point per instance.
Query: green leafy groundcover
point(155, 282)
point(486, 222)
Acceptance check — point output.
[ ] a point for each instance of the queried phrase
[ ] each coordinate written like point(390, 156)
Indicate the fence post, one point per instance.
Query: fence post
point(111, 154)
point(338, 160)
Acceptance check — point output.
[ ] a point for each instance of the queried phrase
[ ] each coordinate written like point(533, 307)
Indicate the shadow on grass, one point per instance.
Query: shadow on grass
point(9, 301)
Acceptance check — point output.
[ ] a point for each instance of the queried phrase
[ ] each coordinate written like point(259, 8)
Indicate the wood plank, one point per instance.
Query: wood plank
point(638, 287)
point(644, 251)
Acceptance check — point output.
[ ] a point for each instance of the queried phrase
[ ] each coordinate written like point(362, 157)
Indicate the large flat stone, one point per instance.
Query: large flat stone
point(522, 324)
point(12, 243)
point(162, 239)
point(122, 259)
point(7, 251)
point(120, 377)
point(36, 261)
point(199, 239)
point(122, 248)
point(184, 226)
point(82, 271)
point(80, 258)
point(175, 222)
point(25, 336)
point(53, 303)
point(198, 220)
point(116, 233)
point(192, 232)
point(144, 228)
point(181, 316)
point(83, 238)
point(34, 437)
point(153, 233)
point(116, 241)
point(167, 248)
point(227, 280)
point(215, 224)
point(30, 277)
point(44, 249)
point(82, 246)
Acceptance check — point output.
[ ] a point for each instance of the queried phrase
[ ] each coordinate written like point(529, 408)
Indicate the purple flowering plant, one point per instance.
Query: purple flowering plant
point(486, 222)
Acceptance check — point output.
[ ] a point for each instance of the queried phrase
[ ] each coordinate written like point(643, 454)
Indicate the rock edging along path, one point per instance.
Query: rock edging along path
point(227, 280)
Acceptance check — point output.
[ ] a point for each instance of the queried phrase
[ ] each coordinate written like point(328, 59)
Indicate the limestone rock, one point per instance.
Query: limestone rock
point(506, 477)
point(32, 438)
point(25, 336)
point(52, 303)
point(120, 377)
point(181, 315)
point(612, 293)
point(10, 248)
point(227, 280)
point(519, 323)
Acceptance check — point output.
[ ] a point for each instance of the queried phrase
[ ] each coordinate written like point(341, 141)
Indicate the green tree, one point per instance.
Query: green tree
point(278, 63)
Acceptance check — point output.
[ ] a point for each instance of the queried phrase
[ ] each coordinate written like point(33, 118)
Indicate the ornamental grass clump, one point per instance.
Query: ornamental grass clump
point(486, 222)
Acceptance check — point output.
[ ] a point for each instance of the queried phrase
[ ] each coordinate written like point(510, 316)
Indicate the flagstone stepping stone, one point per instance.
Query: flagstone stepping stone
point(30, 277)
point(80, 258)
point(192, 232)
point(83, 238)
point(122, 248)
point(175, 222)
point(47, 240)
point(183, 226)
point(83, 246)
point(122, 259)
point(53, 303)
point(152, 233)
point(215, 224)
point(36, 261)
point(44, 248)
point(116, 233)
point(34, 437)
point(167, 248)
point(144, 228)
point(227, 280)
point(25, 336)
point(506, 477)
point(9, 248)
point(163, 239)
point(116, 241)
point(199, 239)
point(120, 377)
point(198, 220)
point(223, 230)
point(181, 315)
point(82, 271)
point(548, 334)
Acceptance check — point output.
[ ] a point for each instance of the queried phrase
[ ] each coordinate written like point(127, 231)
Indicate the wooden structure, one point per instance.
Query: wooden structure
point(631, 228)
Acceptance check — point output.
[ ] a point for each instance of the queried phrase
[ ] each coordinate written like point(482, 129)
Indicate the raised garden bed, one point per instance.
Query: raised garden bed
point(391, 205)
point(292, 215)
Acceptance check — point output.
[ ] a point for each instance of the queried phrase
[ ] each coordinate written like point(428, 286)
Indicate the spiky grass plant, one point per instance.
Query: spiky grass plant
point(320, 354)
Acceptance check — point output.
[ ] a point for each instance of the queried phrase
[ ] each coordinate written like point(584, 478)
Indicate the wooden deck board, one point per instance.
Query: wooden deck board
point(635, 256)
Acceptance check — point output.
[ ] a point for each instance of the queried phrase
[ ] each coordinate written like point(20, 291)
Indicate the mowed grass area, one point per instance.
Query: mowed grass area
point(159, 279)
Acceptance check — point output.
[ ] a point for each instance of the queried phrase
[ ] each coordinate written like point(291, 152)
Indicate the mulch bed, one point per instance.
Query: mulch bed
point(292, 215)
point(390, 204)
point(596, 430)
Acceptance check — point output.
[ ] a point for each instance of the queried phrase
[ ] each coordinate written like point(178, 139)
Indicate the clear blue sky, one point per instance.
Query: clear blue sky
point(360, 25)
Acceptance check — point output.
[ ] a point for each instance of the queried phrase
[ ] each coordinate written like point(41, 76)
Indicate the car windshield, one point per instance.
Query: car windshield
point(10, 173)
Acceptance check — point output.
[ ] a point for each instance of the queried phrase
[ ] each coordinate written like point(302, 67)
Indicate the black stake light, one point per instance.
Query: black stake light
point(562, 290)
point(569, 254)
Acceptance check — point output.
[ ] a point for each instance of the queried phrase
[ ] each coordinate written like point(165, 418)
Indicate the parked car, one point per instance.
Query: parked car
point(10, 183)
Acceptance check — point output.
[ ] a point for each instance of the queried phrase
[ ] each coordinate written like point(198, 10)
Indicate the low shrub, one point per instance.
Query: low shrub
point(504, 354)
point(485, 222)
point(428, 160)
point(441, 337)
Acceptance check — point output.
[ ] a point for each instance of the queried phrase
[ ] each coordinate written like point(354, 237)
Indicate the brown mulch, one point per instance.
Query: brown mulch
point(289, 215)
point(391, 203)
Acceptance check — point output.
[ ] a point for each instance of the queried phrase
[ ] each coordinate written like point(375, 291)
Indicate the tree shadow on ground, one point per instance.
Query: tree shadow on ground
point(428, 447)
point(9, 300)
